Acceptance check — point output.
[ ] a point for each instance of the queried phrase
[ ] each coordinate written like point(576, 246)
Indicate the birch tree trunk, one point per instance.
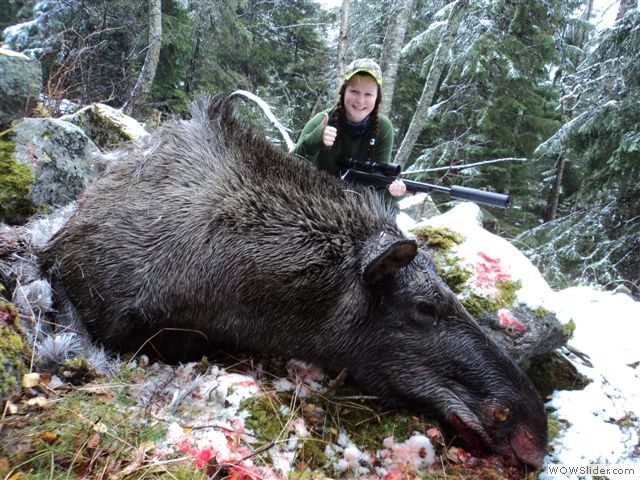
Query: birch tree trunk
point(391, 47)
point(343, 42)
point(148, 72)
point(439, 58)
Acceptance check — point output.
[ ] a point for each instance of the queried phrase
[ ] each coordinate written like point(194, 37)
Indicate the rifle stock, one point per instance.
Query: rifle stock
point(478, 196)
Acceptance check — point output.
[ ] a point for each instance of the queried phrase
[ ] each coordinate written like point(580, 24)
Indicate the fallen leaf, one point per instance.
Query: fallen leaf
point(94, 440)
point(38, 402)
point(147, 446)
point(104, 391)
point(48, 437)
point(136, 462)
point(457, 455)
point(11, 408)
point(30, 380)
point(4, 466)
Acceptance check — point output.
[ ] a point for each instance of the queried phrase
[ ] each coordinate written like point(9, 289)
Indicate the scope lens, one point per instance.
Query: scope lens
point(392, 169)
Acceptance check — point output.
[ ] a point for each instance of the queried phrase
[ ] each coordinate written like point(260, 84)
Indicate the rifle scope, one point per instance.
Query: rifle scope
point(390, 169)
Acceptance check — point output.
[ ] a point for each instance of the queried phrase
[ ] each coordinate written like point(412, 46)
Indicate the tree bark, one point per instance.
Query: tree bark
point(148, 72)
point(624, 7)
point(554, 197)
point(430, 84)
point(391, 47)
point(194, 59)
point(343, 43)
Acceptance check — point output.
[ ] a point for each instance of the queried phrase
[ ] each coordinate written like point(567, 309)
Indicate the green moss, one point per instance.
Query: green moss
point(104, 131)
point(554, 428)
point(311, 454)
point(367, 426)
point(553, 372)
point(16, 181)
point(569, 328)
point(361, 420)
point(438, 237)
point(78, 371)
point(476, 304)
point(629, 420)
point(130, 372)
point(269, 424)
point(265, 418)
point(452, 271)
point(508, 291)
point(540, 312)
point(14, 351)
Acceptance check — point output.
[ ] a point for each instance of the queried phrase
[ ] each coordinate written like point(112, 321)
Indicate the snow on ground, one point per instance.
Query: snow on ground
point(602, 418)
point(602, 421)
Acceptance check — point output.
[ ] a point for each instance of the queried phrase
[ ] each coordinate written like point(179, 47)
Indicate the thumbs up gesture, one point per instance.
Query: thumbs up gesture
point(329, 133)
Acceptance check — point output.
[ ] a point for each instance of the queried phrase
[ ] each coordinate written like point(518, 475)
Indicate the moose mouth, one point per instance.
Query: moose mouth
point(521, 447)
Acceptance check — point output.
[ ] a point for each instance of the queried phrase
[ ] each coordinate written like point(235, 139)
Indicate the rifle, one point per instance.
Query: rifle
point(368, 173)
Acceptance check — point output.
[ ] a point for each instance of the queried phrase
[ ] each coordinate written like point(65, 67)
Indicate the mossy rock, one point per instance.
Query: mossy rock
point(20, 83)
point(14, 351)
point(438, 241)
point(553, 372)
point(44, 162)
point(437, 237)
point(16, 182)
point(478, 304)
point(107, 127)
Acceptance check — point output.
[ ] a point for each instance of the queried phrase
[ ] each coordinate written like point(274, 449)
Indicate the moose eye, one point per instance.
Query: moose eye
point(426, 309)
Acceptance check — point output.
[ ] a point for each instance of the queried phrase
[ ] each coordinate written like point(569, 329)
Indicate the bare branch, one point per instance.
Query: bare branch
point(268, 113)
point(467, 165)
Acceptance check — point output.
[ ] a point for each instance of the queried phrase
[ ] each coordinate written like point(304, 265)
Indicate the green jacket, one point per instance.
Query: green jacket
point(310, 144)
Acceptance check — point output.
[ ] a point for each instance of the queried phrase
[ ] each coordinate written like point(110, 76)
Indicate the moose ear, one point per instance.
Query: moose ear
point(392, 259)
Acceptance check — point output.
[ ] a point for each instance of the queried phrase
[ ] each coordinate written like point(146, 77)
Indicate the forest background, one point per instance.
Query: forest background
point(525, 97)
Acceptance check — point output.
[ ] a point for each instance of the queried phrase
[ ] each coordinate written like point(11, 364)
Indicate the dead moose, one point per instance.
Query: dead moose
point(209, 227)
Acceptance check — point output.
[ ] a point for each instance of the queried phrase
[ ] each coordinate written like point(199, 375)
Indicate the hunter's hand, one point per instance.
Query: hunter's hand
point(329, 133)
point(397, 188)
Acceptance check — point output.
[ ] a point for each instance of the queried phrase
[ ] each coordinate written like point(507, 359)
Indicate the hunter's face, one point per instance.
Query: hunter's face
point(360, 97)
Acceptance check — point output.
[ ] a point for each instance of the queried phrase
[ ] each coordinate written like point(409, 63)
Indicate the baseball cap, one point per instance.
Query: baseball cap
point(365, 65)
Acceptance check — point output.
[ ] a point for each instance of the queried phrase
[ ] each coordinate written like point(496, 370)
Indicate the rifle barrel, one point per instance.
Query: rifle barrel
point(464, 193)
point(480, 196)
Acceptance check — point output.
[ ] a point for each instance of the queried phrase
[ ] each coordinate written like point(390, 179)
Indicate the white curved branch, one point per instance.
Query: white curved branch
point(268, 113)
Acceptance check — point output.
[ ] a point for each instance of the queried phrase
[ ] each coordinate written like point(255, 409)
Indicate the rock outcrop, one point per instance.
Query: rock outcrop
point(20, 85)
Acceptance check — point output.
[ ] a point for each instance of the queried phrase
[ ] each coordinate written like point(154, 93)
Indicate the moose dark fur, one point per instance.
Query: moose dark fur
point(208, 227)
